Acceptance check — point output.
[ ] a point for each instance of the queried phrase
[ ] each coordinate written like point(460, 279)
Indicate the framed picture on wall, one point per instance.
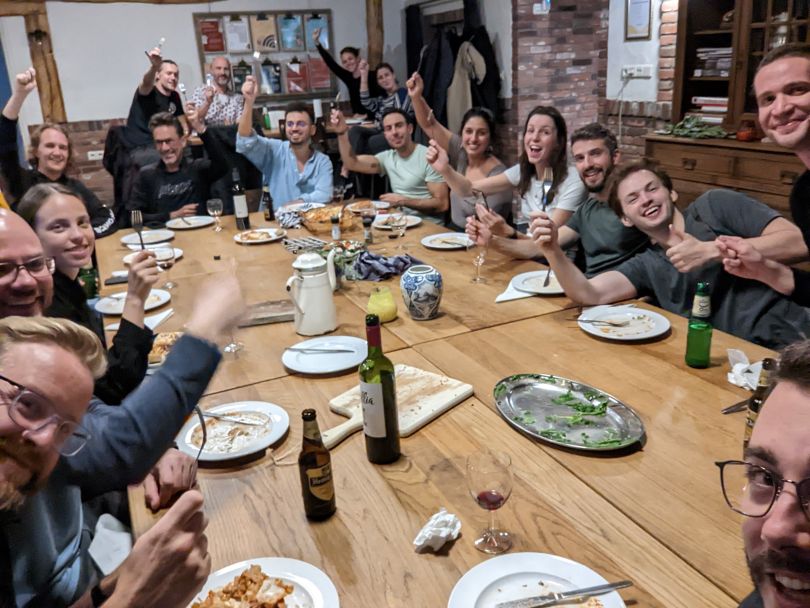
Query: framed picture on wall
point(320, 23)
point(237, 33)
point(291, 30)
point(211, 36)
point(638, 20)
point(265, 34)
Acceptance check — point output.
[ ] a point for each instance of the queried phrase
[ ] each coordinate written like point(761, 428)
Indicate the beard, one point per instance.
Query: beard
point(789, 560)
point(10, 497)
point(27, 457)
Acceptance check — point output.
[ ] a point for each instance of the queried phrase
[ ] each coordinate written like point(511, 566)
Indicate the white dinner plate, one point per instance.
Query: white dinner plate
point(301, 207)
point(382, 222)
point(532, 282)
point(326, 363)
point(270, 235)
point(517, 576)
point(178, 253)
point(114, 304)
point(643, 324)
point(358, 207)
point(447, 240)
point(191, 222)
point(149, 237)
point(277, 424)
point(312, 587)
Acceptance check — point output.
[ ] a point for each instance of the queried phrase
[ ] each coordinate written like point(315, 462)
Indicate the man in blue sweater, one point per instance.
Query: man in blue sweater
point(43, 544)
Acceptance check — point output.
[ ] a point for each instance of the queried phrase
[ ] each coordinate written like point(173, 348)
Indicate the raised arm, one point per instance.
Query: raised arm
point(217, 161)
point(424, 115)
point(365, 163)
point(437, 157)
point(338, 70)
point(249, 92)
point(148, 81)
point(24, 83)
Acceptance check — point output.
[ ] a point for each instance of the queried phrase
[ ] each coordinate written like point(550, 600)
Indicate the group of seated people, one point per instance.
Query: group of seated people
point(610, 231)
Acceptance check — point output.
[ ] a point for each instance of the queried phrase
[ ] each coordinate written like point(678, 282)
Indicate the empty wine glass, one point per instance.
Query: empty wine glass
point(215, 208)
point(398, 221)
point(478, 261)
point(489, 480)
point(164, 257)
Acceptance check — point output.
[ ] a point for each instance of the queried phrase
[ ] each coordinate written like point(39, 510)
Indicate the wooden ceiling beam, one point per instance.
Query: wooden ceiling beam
point(14, 8)
point(376, 34)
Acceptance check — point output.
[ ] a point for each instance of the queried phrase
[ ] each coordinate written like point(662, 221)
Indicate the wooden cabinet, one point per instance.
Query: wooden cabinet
point(764, 171)
point(750, 29)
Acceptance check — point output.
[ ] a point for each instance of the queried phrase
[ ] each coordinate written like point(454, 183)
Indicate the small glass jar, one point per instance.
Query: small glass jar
point(381, 303)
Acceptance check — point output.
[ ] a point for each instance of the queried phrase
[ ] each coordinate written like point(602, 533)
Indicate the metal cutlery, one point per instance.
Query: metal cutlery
point(737, 407)
point(136, 217)
point(185, 221)
point(554, 599)
point(548, 180)
point(320, 350)
point(230, 419)
point(603, 322)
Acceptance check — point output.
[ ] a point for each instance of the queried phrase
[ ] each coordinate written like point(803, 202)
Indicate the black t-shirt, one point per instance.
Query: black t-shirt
point(800, 209)
point(752, 601)
point(144, 107)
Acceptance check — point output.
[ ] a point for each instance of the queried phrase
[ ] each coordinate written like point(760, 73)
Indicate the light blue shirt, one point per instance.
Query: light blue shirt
point(276, 160)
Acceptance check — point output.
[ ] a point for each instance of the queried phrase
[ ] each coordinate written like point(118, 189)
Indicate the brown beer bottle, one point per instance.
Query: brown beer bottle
point(758, 398)
point(315, 467)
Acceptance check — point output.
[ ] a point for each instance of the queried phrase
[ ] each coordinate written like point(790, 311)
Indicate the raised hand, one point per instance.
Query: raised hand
point(26, 81)
point(415, 85)
point(155, 57)
point(437, 157)
point(218, 307)
point(195, 119)
point(363, 67)
point(543, 230)
point(689, 253)
point(250, 89)
point(477, 231)
point(143, 274)
point(209, 92)
point(338, 122)
point(316, 34)
point(173, 474)
point(494, 222)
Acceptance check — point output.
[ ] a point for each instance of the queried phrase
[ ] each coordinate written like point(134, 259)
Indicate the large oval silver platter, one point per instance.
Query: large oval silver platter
point(567, 413)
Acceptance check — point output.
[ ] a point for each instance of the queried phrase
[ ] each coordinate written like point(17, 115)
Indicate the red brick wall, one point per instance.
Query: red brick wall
point(560, 59)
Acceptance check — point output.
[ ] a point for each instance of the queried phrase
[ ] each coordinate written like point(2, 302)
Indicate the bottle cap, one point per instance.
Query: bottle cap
point(335, 219)
point(309, 414)
point(372, 320)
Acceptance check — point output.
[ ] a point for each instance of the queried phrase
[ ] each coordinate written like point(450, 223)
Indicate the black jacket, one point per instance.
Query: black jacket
point(19, 180)
point(127, 359)
point(352, 83)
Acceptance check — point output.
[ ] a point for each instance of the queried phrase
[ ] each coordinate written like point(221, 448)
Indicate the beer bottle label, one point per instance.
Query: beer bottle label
point(702, 306)
point(320, 483)
point(371, 396)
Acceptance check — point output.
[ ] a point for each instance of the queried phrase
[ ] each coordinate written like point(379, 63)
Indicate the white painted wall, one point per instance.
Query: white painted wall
point(99, 48)
point(632, 53)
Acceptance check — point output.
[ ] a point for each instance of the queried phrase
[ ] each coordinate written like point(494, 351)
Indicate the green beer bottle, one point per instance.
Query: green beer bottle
point(699, 336)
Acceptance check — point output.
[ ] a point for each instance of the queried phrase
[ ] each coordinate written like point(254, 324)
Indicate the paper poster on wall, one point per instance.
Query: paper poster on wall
point(237, 33)
point(297, 77)
point(211, 36)
point(319, 74)
point(320, 23)
point(240, 72)
point(291, 29)
point(271, 78)
point(264, 32)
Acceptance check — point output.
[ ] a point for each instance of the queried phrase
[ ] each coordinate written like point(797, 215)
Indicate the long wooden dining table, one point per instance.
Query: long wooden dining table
point(654, 514)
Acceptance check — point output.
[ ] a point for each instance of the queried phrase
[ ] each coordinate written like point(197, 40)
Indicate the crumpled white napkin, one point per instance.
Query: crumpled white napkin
point(440, 528)
point(743, 373)
point(111, 543)
point(512, 293)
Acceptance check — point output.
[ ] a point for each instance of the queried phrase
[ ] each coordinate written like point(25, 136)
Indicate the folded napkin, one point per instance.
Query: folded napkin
point(292, 219)
point(111, 544)
point(151, 321)
point(743, 373)
point(512, 293)
point(372, 267)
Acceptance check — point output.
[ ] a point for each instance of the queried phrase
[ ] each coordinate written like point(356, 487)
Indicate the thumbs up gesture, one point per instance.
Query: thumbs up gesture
point(688, 253)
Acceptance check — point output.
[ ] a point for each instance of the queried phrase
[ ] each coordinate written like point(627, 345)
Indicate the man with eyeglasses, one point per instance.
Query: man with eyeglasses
point(771, 487)
point(48, 542)
point(293, 170)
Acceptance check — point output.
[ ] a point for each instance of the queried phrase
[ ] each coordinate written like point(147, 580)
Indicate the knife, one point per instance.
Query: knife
point(554, 599)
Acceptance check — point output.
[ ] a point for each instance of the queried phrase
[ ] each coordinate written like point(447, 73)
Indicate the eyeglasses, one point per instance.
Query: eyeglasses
point(301, 124)
point(33, 412)
point(751, 490)
point(38, 267)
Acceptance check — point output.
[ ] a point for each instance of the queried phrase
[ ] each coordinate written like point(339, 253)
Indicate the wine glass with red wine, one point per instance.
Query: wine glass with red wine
point(489, 480)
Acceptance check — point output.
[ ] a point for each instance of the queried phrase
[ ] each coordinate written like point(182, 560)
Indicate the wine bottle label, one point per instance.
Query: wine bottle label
point(371, 396)
point(702, 307)
point(240, 205)
point(320, 482)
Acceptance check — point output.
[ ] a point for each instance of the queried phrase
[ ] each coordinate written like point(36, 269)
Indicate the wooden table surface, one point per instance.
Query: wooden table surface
point(654, 515)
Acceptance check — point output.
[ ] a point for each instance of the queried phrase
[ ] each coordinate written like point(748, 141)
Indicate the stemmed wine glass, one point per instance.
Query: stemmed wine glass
point(398, 221)
point(478, 261)
point(215, 208)
point(164, 257)
point(489, 480)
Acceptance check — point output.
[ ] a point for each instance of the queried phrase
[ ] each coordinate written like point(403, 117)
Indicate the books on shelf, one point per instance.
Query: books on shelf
point(710, 109)
point(713, 61)
point(700, 100)
point(712, 119)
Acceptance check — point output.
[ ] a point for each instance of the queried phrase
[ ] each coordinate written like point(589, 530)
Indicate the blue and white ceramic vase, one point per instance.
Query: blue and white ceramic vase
point(422, 291)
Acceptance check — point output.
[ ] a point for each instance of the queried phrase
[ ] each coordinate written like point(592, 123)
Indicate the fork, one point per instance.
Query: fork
point(136, 217)
point(603, 322)
point(548, 180)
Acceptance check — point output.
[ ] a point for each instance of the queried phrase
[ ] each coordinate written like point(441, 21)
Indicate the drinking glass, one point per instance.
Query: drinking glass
point(164, 256)
point(519, 217)
point(489, 480)
point(478, 261)
point(398, 220)
point(215, 208)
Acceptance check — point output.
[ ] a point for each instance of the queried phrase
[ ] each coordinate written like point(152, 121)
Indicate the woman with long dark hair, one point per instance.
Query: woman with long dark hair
point(544, 148)
point(471, 152)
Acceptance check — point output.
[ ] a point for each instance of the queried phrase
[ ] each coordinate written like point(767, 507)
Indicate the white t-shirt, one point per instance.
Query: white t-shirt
point(572, 192)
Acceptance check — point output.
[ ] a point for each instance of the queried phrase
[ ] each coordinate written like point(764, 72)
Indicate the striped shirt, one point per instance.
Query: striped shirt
point(378, 105)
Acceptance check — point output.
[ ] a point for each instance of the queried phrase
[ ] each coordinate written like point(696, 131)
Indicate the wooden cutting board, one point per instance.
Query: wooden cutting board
point(421, 397)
